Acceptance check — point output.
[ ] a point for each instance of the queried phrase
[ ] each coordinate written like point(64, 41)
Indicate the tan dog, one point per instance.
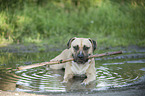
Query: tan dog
point(79, 49)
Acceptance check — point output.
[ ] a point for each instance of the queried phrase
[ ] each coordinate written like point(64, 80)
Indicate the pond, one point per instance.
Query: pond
point(117, 72)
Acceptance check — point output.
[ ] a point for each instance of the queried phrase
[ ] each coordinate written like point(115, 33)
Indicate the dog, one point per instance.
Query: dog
point(79, 49)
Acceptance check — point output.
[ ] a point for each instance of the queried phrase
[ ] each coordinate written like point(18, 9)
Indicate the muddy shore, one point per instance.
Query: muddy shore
point(5, 93)
point(131, 92)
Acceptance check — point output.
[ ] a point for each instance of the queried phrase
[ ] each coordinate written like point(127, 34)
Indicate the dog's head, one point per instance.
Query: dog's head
point(81, 48)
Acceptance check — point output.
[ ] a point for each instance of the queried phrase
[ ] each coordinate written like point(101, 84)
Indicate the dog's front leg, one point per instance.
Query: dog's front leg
point(68, 73)
point(90, 77)
point(67, 77)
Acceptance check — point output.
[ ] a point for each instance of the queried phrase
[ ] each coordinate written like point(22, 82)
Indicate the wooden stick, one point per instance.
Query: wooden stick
point(63, 61)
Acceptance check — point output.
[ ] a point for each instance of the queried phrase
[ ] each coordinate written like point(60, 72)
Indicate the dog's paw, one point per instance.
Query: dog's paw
point(64, 81)
point(83, 83)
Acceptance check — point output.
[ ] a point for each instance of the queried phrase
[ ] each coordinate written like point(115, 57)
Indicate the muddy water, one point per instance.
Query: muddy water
point(118, 72)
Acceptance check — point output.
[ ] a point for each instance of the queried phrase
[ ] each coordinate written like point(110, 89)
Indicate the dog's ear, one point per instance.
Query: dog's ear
point(94, 44)
point(69, 42)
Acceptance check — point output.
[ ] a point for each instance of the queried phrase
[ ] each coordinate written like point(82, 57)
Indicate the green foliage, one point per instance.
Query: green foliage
point(111, 23)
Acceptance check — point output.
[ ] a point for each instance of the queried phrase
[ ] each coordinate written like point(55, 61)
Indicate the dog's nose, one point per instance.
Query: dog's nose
point(80, 55)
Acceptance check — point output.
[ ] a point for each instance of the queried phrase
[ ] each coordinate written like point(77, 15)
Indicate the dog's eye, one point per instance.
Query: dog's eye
point(76, 47)
point(86, 48)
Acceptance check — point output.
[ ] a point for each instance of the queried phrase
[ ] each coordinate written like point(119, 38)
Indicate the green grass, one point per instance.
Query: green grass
point(110, 23)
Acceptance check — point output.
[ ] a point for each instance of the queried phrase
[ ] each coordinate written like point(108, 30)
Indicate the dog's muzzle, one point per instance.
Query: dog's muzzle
point(80, 58)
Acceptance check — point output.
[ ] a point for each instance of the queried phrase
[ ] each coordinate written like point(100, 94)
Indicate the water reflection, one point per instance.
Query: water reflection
point(8, 80)
point(74, 85)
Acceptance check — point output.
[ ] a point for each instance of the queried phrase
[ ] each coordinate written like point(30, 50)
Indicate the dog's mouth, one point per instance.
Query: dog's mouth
point(80, 60)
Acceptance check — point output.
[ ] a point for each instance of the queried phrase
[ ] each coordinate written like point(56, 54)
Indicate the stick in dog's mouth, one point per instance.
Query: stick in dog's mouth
point(63, 61)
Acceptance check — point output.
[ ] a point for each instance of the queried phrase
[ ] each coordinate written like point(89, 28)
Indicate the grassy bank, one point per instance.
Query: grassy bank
point(111, 23)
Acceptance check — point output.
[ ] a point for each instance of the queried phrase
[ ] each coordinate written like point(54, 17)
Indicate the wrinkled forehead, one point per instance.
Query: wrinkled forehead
point(81, 42)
